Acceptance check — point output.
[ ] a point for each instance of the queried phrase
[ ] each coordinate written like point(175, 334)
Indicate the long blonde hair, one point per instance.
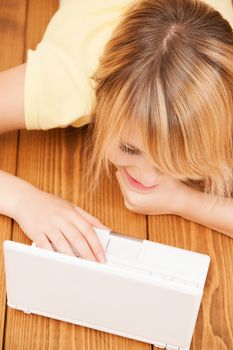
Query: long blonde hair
point(168, 69)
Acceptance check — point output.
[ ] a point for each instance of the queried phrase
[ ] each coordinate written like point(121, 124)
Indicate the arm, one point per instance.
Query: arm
point(12, 99)
point(208, 210)
point(49, 221)
point(172, 196)
point(11, 187)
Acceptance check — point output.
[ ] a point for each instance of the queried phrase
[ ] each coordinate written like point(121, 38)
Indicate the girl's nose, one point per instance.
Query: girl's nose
point(148, 174)
point(150, 179)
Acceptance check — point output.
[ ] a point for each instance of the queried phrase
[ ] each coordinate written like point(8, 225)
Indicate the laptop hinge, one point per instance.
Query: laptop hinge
point(172, 347)
point(168, 346)
point(24, 309)
point(160, 345)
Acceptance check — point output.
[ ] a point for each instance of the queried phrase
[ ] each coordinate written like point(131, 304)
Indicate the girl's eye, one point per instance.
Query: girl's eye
point(126, 149)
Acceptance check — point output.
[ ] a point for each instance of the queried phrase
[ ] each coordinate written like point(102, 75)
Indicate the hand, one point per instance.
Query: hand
point(56, 224)
point(166, 198)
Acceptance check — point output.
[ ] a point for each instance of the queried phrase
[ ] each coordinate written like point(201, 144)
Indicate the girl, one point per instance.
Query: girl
point(161, 114)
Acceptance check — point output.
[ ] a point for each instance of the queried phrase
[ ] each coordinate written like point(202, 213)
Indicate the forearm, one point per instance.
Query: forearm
point(12, 189)
point(12, 99)
point(207, 210)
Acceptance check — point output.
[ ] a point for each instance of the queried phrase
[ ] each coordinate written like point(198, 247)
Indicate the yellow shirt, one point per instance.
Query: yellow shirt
point(58, 87)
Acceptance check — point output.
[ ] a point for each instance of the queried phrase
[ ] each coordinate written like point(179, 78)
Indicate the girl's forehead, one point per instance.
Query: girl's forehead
point(133, 137)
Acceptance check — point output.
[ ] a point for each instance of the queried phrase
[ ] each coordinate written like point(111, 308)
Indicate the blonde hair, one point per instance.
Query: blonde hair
point(168, 70)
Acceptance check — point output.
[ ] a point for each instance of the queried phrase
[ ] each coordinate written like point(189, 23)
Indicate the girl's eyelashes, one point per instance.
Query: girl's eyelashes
point(127, 149)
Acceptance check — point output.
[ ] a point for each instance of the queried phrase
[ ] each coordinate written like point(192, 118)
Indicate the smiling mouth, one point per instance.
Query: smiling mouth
point(138, 184)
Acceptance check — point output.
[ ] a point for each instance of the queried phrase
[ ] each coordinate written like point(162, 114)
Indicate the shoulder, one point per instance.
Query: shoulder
point(58, 88)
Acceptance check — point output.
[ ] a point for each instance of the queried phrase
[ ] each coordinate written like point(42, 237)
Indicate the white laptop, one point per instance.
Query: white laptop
point(146, 291)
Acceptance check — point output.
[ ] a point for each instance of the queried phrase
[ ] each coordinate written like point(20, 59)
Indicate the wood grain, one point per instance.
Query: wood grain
point(8, 163)
point(12, 28)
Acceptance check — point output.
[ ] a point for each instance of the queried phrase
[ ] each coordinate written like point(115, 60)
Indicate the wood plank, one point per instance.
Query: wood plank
point(12, 25)
point(214, 327)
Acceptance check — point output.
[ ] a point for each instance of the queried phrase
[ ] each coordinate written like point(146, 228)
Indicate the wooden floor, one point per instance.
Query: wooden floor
point(51, 161)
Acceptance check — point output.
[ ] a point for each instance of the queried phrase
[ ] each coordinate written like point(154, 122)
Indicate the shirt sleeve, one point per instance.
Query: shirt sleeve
point(59, 90)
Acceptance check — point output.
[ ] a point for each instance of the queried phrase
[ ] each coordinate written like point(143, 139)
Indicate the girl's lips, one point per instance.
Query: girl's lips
point(137, 184)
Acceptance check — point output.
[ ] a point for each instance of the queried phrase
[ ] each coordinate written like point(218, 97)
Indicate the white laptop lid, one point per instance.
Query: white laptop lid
point(146, 291)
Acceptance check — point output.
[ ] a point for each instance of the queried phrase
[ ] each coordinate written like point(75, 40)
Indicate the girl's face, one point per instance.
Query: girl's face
point(138, 172)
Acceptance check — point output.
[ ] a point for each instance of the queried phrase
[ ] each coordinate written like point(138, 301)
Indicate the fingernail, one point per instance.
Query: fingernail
point(101, 258)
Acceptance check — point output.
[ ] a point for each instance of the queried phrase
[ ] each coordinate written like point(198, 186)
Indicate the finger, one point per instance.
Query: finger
point(44, 243)
point(78, 241)
point(90, 236)
point(90, 218)
point(60, 243)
